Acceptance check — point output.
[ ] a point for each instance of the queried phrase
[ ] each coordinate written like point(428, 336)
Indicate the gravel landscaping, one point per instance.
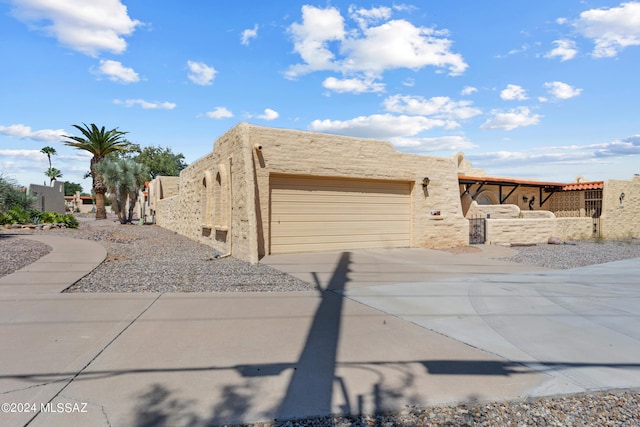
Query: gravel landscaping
point(152, 259)
point(16, 253)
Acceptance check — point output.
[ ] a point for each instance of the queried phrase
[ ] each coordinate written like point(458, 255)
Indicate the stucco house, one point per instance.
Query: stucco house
point(48, 198)
point(266, 191)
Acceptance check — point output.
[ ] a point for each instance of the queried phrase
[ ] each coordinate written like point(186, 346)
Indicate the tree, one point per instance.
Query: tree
point(49, 151)
point(124, 178)
point(71, 188)
point(100, 143)
point(53, 174)
point(161, 161)
point(12, 195)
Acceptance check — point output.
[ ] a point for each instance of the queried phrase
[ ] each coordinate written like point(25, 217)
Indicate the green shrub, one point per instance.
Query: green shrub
point(70, 221)
point(49, 217)
point(17, 215)
point(20, 215)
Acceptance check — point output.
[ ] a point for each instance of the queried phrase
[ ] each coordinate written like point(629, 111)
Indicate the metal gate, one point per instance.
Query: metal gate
point(477, 230)
point(593, 208)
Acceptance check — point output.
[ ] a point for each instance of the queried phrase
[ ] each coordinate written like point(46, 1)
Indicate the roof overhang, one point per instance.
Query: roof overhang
point(508, 182)
point(513, 184)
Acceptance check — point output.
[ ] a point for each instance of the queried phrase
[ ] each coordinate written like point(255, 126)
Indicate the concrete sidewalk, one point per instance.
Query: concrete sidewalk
point(372, 338)
point(69, 261)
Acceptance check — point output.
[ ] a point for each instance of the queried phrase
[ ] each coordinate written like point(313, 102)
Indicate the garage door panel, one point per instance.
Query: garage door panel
point(389, 209)
point(289, 185)
point(380, 220)
point(327, 197)
point(313, 214)
point(327, 228)
point(330, 245)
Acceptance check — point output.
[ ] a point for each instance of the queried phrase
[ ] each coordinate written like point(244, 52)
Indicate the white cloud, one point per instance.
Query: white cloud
point(352, 85)
point(409, 82)
point(249, 34)
point(581, 155)
point(146, 105)
point(468, 90)
point(32, 155)
point(269, 114)
point(562, 90)
point(381, 126)
point(421, 145)
point(366, 17)
point(400, 44)
point(612, 29)
point(513, 93)
point(21, 131)
point(85, 26)
point(324, 43)
point(219, 113)
point(438, 106)
point(311, 39)
point(117, 73)
point(512, 119)
point(565, 50)
point(519, 158)
point(625, 147)
point(200, 73)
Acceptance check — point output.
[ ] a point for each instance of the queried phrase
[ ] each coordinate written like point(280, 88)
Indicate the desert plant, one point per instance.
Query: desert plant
point(19, 215)
point(12, 195)
point(100, 143)
point(123, 178)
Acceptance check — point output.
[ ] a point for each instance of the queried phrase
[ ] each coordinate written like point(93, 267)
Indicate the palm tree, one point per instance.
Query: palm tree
point(100, 143)
point(49, 151)
point(53, 174)
point(124, 178)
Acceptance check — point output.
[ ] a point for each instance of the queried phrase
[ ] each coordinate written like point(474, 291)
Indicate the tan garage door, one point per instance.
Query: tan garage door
point(324, 214)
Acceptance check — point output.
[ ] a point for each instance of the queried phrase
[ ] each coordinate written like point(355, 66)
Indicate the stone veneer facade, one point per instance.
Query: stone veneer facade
point(222, 199)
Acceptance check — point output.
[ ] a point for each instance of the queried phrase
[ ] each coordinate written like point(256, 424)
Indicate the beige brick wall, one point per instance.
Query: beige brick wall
point(574, 228)
point(167, 212)
point(523, 231)
point(621, 220)
point(163, 187)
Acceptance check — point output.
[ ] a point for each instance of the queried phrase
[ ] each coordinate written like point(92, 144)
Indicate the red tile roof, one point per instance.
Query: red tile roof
point(595, 185)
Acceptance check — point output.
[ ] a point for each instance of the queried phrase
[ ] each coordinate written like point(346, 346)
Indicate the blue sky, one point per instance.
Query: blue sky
point(546, 90)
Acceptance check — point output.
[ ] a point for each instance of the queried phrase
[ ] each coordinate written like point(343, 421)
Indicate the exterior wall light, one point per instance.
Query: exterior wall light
point(621, 197)
point(525, 198)
point(425, 182)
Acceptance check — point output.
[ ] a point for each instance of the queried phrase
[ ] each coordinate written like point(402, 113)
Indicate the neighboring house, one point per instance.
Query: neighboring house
point(578, 210)
point(266, 191)
point(78, 203)
point(49, 198)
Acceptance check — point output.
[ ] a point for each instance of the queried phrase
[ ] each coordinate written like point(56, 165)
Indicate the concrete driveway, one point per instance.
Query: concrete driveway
point(385, 330)
point(580, 327)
